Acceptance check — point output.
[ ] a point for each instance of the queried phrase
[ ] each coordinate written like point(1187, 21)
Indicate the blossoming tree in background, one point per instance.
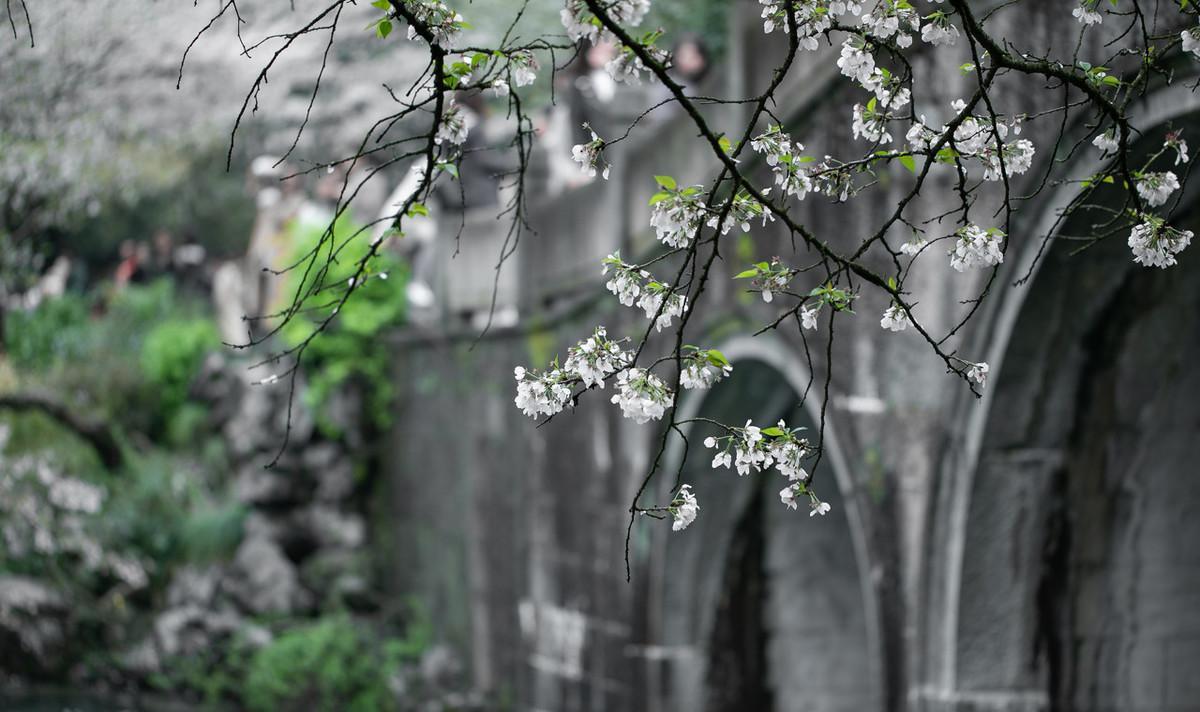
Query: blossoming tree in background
point(980, 147)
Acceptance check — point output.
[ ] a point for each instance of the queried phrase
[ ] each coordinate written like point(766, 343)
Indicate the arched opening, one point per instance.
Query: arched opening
point(1077, 573)
point(756, 606)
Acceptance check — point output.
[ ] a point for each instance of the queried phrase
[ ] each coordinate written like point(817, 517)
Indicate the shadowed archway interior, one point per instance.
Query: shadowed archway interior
point(1080, 570)
point(761, 606)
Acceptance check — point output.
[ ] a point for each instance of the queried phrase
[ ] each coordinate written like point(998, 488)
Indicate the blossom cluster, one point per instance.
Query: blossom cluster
point(441, 21)
point(978, 372)
point(1086, 13)
point(453, 127)
point(590, 155)
point(894, 318)
point(684, 509)
point(581, 24)
point(678, 213)
point(1190, 41)
point(976, 247)
point(984, 139)
point(642, 396)
point(590, 362)
point(1155, 244)
point(595, 358)
point(752, 449)
point(1156, 188)
point(702, 368)
point(523, 67)
point(634, 285)
point(813, 17)
point(1107, 142)
point(785, 158)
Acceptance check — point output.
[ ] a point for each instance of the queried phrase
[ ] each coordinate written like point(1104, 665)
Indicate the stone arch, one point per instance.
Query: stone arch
point(1052, 573)
point(806, 618)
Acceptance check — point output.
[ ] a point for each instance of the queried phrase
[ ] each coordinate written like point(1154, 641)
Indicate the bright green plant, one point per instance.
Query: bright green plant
point(352, 348)
point(330, 665)
point(55, 331)
point(172, 354)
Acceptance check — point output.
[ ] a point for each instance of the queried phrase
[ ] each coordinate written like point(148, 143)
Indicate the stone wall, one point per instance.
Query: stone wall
point(1021, 552)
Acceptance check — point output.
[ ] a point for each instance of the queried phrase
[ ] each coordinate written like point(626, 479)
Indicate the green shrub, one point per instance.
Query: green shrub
point(351, 349)
point(328, 666)
point(129, 365)
point(56, 331)
point(172, 354)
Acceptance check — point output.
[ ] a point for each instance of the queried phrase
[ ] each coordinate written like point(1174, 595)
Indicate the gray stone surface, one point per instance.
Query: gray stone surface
point(34, 625)
point(266, 581)
point(1030, 551)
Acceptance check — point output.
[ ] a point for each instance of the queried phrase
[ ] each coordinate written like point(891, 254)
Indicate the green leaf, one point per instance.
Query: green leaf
point(717, 358)
point(746, 274)
point(666, 181)
point(659, 197)
point(909, 163)
point(382, 5)
point(383, 29)
point(772, 432)
point(725, 144)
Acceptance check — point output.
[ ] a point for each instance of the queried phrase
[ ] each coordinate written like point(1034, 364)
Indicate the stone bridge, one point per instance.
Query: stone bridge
point(1031, 550)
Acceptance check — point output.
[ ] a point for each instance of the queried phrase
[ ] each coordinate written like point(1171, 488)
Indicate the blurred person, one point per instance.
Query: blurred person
point(129, 268)
point(690, 60)
point(190, 263)
point(162, 255)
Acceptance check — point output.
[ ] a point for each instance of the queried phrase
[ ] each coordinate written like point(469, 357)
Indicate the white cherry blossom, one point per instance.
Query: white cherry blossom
point(1107, 142)
point(894, 318)
point(642, 396)
point(976, 247)
point(590, 156)
point(808, 318)
point(978, 372)
point(1155, 244)
point(684, 509)
point(1191, 41)
point(1086, 13)
point(1156, 188)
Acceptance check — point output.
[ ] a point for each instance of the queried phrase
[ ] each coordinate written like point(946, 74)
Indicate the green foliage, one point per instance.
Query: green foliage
point(330, 665)
point(172, 354)
point(170, 515)
point(54, 332)
point(129, 360)
point(352, 347)
point(215, 675)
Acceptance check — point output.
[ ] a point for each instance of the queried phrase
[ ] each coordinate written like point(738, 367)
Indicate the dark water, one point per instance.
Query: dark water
point(63, 700)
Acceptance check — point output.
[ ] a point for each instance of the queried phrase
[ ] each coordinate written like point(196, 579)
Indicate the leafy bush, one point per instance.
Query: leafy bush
point(351, 348)
point(331, 665)
point(169, 513)
point(172, 354)
point(54, 332)
point(130, 364)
